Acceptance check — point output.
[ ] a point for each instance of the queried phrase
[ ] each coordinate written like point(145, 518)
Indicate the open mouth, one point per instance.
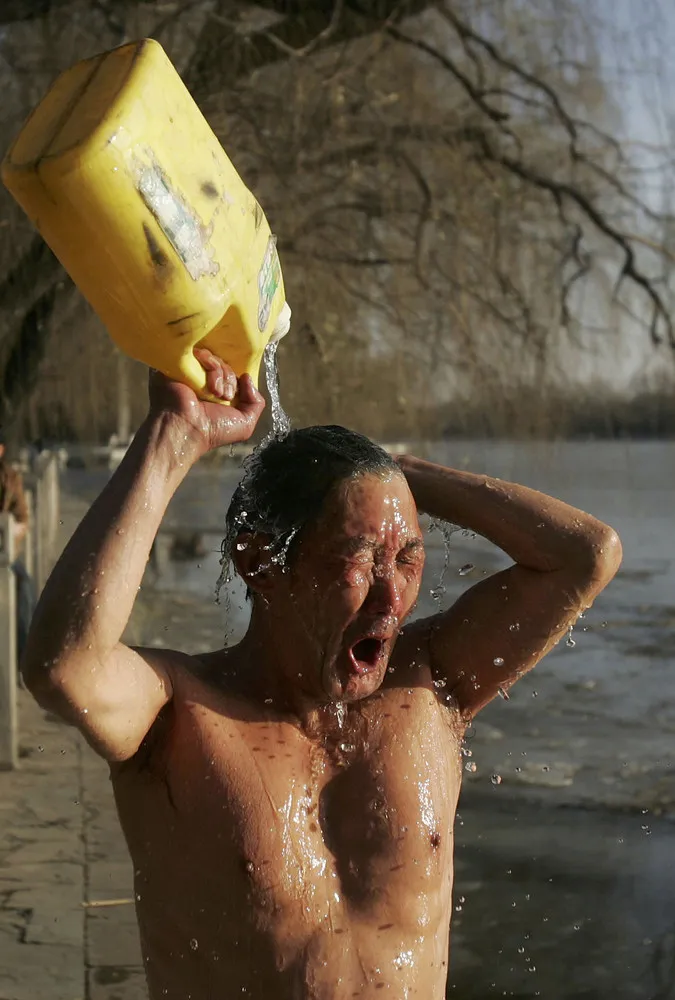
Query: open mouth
point(366, 653)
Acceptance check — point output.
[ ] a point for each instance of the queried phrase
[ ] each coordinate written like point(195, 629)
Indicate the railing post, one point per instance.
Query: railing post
point(46, 479)
point(9, 754)
point(29, 537)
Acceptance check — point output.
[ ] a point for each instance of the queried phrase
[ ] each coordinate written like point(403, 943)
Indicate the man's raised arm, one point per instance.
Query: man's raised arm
point(502, 627)
point(74, 663)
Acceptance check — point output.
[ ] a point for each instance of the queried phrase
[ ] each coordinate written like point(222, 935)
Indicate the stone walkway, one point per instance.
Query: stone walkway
point(67, 923)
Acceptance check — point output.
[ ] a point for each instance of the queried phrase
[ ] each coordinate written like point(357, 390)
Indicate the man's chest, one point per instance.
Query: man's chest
point(366, 816)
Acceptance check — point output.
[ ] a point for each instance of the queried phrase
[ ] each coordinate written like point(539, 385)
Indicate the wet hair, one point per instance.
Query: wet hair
point(287, 481)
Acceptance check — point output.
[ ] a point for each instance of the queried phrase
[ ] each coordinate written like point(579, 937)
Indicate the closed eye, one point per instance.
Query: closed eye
point(412, 554)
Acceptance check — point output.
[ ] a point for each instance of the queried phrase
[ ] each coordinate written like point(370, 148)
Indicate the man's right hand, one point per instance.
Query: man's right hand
point(205, 424)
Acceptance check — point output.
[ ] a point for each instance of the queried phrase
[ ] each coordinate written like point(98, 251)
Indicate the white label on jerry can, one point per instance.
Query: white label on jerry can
point(269, 279)
point(180, 225)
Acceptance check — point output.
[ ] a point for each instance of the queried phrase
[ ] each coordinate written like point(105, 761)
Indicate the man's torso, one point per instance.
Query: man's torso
point(288, 865)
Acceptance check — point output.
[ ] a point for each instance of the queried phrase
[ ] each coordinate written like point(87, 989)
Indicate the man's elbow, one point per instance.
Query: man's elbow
point(43, 670)
point(39, 679)
point(601, 558)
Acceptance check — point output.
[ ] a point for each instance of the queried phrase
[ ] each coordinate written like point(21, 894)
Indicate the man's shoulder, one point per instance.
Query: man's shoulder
point(412, 663)
point(192, 683)
point(184, 669)
point(410, 658)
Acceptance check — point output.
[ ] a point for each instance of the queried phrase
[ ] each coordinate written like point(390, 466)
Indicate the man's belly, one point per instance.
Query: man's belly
point(364, 956)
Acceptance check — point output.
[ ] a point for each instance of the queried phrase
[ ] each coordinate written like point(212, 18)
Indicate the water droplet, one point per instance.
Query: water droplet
point(503, 693)
point(347, 747)
point(515, 627)
point(496, 779)
point(498, 661)
point(194, 944)
point(41, 749)
point(466, 569)
point(521, 950)
point(535, 694)
point(471, 766)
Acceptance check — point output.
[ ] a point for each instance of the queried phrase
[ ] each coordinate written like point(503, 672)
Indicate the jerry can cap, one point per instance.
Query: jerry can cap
point(282, 325)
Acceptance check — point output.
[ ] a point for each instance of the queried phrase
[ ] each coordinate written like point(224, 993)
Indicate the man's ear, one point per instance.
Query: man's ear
point(252, 557)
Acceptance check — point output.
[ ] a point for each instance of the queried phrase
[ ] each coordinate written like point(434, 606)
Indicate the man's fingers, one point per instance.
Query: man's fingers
point(220, 378)
point(248, 394)
point(229, 383)
point(207, 359)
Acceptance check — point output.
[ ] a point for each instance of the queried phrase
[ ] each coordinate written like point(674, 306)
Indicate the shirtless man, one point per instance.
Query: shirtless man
point(289, 802)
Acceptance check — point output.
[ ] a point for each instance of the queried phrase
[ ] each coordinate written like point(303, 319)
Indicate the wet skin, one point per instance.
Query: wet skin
point(323, 829)
point(289, 803)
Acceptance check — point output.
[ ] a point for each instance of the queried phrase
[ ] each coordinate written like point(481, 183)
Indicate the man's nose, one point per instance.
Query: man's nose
point(384, 594)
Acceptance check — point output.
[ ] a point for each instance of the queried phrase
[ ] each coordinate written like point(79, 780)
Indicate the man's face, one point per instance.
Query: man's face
point(352, 582)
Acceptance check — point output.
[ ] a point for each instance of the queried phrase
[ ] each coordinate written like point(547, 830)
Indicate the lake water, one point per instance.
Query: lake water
point(570, 858)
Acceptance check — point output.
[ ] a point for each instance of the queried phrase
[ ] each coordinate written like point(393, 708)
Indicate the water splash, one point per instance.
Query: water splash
point(281, 423)
point(224, 580)
point(340, 714)
point(447, 530)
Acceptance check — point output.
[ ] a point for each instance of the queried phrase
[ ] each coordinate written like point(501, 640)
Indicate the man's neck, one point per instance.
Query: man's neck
point(269, 672)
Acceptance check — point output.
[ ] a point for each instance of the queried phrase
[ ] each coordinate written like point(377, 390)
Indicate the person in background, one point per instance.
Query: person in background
point(13, 501)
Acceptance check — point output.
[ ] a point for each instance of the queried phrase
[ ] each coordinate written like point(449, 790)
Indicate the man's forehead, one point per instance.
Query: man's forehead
point(368, 507)
point(373, 523)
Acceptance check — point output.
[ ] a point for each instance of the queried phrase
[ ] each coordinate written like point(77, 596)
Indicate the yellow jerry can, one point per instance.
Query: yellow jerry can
point(128, 185)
